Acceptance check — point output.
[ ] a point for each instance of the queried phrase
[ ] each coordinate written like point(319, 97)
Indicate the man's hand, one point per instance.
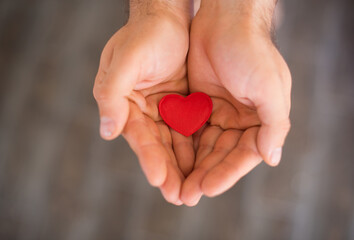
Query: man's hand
point(142, 62)
point(233, 60)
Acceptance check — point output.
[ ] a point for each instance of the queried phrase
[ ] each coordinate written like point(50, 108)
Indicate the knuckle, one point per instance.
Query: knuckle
point(101, 93)
point(251, 152)
point(286, 125)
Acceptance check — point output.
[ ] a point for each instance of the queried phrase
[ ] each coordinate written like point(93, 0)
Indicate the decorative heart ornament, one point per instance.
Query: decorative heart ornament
point(186, 114)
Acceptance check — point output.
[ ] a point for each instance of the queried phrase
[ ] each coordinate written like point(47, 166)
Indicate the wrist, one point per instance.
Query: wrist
point(256, 15)
point(181, 9)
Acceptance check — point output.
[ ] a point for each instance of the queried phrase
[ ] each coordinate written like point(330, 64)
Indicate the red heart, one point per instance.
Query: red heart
point(186, 114)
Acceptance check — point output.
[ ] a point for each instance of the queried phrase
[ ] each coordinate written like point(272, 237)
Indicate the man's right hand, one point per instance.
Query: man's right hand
point(141, 63)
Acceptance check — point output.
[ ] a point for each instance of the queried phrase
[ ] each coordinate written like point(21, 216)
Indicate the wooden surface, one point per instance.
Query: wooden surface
point(59, 180)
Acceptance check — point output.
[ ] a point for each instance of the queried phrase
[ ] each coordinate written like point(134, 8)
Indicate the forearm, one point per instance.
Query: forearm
point(183, 9)
point(251, 13)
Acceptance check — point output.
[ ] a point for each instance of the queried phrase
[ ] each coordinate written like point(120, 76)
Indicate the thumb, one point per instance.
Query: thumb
point(111, 90)
point(273, 106)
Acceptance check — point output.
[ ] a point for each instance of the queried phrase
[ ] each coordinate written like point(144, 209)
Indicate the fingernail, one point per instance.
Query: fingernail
point(107, 127)
point(276, 156)
point(196, 200)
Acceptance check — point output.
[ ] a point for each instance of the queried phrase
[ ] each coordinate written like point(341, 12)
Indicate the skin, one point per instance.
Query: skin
point(141, 63)
point(231, 58)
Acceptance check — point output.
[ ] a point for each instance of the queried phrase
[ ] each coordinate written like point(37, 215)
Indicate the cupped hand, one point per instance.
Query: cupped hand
point(235, 63)
point(142, 62)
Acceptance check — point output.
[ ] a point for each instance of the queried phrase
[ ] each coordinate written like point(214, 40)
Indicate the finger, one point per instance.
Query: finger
point(141, 132)
point(111, 87)
point(207, 142)
point(170, 189)
point(191, 191)
point(166, 140)
point(183, 148)
point(172, 186)
point(273, 106)
point(196, 136)
point(236, 164)
point(191, 188)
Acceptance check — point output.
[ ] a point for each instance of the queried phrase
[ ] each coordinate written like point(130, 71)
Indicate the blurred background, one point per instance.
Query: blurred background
point(59, 180)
